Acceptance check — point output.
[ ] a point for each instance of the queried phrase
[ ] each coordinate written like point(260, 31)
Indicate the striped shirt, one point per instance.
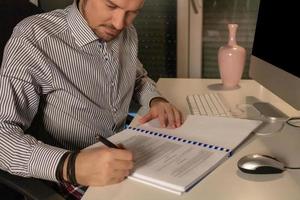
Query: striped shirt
point(58, 77)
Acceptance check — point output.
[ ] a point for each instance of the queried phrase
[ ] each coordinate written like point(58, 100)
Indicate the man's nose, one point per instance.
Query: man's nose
point(119, 20)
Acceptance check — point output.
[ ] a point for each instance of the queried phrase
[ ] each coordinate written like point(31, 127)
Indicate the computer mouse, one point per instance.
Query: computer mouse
point(260, 164)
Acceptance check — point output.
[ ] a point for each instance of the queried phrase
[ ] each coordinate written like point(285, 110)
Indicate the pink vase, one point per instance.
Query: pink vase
point(231, 60)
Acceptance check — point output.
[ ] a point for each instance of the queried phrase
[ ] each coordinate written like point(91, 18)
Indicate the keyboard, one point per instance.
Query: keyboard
point(208, 104)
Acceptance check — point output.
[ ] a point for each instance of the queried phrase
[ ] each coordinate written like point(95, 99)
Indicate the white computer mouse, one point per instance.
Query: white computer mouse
point(260, 164)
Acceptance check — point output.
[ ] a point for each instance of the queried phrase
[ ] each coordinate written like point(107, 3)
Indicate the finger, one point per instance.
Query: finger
point(114, 180)
point(119, 180)
point(120, 174)
point(146, 118)
point(121, 146)
point(178, 117)
point(170, 115)
point(162, 118)
point(122, 165)
point(121, 154)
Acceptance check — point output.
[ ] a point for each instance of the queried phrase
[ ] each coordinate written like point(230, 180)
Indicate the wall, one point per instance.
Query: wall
point(156, 26)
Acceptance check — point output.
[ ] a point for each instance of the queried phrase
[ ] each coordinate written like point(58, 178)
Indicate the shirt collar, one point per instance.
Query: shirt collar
point(80, 29)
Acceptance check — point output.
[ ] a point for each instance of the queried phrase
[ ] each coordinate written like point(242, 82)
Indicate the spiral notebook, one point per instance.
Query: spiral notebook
point(176, 159)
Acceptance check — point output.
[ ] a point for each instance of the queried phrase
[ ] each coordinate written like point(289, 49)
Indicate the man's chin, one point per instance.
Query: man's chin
point(107, 37)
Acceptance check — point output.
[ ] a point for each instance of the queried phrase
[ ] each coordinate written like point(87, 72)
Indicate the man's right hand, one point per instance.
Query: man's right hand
point(102, 166)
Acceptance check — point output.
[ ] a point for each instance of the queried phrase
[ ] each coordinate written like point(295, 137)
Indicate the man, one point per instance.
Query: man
point(69, 76)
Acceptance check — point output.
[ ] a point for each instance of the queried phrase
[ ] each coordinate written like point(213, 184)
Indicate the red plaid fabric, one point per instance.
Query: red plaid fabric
point(71, 192)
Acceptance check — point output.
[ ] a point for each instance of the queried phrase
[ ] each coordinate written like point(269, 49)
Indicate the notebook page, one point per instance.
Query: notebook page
point(168, 164)
point(218, 131)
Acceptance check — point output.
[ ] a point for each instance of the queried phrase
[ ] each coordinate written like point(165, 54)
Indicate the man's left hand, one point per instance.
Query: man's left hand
point(167, 114)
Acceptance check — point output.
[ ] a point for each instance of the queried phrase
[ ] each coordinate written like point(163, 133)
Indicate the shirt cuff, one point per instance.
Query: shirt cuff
point(146, 98)
point(44, 161)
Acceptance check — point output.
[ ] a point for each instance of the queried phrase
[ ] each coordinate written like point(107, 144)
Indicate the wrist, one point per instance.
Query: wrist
point(60, 170)
point(70, 172)
point(65, 169)
point(157, 100)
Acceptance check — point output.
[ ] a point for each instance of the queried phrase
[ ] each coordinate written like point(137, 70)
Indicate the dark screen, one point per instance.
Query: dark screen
point(277, 35)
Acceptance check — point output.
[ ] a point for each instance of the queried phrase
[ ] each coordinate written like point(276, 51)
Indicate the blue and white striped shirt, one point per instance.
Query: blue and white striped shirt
point(86, 86)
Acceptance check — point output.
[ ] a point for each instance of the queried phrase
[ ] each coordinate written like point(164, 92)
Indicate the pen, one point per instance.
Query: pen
point(106, 142)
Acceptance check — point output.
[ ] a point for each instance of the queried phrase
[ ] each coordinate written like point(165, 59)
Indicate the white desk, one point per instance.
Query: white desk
point(226, 182)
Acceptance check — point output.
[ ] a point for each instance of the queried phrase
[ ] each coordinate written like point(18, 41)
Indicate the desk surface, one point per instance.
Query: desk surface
point(226, 182)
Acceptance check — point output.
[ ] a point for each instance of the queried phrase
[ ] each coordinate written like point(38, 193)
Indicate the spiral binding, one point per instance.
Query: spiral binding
point(179, 139)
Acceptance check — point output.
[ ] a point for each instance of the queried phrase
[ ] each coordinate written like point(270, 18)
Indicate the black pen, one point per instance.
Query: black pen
point(106, 142)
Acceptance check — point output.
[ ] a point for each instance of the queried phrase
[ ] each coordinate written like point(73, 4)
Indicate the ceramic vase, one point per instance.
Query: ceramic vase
point(231, 60)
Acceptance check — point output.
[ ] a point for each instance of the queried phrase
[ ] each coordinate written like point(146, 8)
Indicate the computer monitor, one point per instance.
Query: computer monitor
point(275, 60)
